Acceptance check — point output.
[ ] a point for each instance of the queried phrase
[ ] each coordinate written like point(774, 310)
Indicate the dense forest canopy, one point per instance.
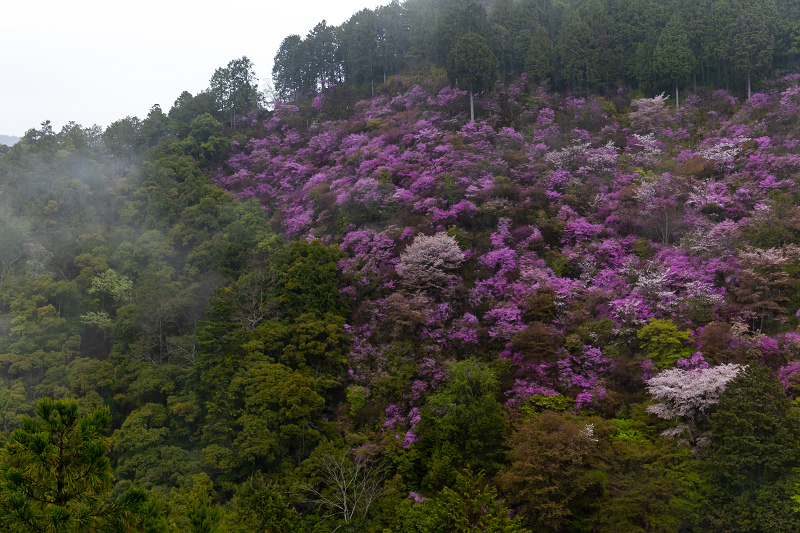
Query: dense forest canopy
point(365, 309)
point(594, 46)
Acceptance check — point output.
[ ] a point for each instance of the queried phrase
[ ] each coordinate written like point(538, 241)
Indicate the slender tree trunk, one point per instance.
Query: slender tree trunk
point(677, 103)
point(748, 85)
point(471, 108)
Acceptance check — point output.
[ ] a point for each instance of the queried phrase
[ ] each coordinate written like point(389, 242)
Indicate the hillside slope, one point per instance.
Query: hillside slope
point(581, 310)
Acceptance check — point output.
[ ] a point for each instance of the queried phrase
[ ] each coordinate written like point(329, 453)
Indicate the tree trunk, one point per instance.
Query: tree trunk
point(748, 85)
point(677, 104)
point(471, 108)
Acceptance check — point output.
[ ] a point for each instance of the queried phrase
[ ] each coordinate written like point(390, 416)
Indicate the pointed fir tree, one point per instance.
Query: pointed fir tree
point(752, 39)
point(537, 60)
point(674, 55)
point(473, 66)
point(751, 462)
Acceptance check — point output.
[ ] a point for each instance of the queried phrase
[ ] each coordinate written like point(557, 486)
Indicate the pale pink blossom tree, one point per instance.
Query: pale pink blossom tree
point(687, 397)
point(427, 262)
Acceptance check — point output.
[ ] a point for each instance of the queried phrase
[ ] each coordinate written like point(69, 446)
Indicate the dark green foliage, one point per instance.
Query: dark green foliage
point(537, 60)
point(308, 278)
point(577, 54)
point(464, 423)
point(673, 55)
point(751, 462)
point(260, 506)
point(287, 73)
point(469, 505)
point(187, 108)
point(235, 89)
point(752, 38)
point(471, 64)
point(237, 362)
point(553, 473)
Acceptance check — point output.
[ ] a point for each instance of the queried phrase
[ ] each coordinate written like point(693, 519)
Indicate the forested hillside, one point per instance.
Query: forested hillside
point(588, 47)
point(574, 313)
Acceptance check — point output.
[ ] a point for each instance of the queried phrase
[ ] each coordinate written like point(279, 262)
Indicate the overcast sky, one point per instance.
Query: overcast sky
point(96, 61)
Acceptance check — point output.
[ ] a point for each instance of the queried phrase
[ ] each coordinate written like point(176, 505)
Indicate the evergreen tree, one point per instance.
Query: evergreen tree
point(235, 88)
point(576, 52)
point(358, 41)
point(287, 71)
point(752, 38)
point(673, 55)
point(472, 64)
point(537, 60)
point(55, 476)
point(322, 52)
point(752, 459)
point(717, 21)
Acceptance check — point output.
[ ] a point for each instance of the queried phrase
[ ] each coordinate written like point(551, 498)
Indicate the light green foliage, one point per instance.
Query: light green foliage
point(664, 343)
point(110, 283)
point(626, 430)
point(55, 476)
point(192, 508)
point(14, 403)
point(538, 403)
point(203, 517)
point(356, 397)
point(99, 320)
